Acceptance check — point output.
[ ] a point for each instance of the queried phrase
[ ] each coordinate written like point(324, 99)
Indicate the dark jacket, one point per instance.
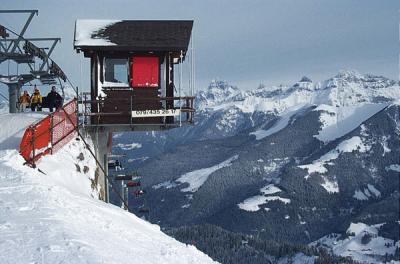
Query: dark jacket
point(54, 98)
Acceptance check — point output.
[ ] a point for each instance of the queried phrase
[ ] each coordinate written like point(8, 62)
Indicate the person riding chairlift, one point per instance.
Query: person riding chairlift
point(24, 101)
point(118, 165)
point(36, 100)
point(54, 99)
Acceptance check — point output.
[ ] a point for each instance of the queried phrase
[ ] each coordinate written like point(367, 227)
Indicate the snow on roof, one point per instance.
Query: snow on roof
point(86, 29)
point(133, 35)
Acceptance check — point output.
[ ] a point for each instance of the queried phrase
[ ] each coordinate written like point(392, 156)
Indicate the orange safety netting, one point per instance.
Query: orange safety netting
point(50, 134)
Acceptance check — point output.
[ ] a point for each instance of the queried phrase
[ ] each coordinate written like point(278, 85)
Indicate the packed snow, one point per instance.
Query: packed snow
point(138, 159)
point(197, 178)
point(393, 167)
point(56, 217)
point(85, 29)
point(369, 192)
point(385, 146)
point(128, 146)
point(318, 166)
point(229, 120)
point(270, 189)
point(373, 190)
point(10, 135)
point(166, 185)
point(283, 121)
point(270, 166)
point(331, 186)
point(359, 195)
point(352, 246)
point(337, 122)
point(252, 204)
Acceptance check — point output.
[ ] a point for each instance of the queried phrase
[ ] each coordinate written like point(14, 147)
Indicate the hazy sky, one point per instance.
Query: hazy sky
point(243, 42)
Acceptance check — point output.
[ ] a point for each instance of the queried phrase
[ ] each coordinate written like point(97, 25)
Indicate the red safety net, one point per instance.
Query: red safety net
point(50, 134)
point(145, 72)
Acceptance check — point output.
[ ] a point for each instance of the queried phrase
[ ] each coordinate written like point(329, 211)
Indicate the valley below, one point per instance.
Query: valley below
point(308, 172)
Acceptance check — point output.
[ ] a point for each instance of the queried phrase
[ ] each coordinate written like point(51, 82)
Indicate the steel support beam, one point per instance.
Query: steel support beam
point(13, 94)
point(46, 60)
point(28, 21)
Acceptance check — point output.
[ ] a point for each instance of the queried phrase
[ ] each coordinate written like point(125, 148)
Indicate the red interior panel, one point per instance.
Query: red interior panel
point(145, 72)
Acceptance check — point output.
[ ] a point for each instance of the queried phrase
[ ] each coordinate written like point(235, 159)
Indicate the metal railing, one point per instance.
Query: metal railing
point(49, 134)
point(92, 112)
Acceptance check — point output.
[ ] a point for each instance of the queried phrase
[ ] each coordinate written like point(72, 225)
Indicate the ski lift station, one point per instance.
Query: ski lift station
point(134, 83)
point(136, 76)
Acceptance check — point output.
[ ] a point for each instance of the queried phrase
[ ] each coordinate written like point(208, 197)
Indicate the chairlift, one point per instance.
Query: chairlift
point(116, 156)
point(144, 210)
point(111, 164)
point(133, 184)
point(116, 164)
point(122, 177)
point(138, 193)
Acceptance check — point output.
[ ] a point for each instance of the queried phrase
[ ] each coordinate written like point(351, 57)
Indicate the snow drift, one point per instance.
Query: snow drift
point(55, 216)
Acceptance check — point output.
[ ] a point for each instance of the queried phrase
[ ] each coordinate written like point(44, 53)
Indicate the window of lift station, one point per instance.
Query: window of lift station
point(116, 70)
point(144, 71)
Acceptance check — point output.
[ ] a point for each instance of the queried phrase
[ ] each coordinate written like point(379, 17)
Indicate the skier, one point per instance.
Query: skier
point(54, 99)
point(36, 100)
point(24, 101)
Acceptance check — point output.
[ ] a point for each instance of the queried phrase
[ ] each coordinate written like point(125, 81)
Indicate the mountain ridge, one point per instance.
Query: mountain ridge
point(326, 149)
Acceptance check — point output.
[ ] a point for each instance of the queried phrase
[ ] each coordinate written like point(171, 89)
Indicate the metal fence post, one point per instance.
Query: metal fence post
point(51, 133)
point(76, 113)
point(130, 114)
point(33, 147)
point(126, 198)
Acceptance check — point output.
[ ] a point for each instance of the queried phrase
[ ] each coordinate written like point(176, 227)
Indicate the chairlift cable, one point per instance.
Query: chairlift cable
point(192, 64)
point(180, 88)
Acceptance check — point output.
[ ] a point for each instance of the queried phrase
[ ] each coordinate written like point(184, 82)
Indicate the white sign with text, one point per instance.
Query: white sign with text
point(156, 113)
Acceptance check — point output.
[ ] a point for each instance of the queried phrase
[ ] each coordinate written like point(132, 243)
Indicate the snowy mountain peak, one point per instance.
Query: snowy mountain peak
point(305, 79)
point(349, 75)
point(343, 102)
point(367, 81)
point(304, 83)
point(220, 85)
point(217, 92)
point(347, 88)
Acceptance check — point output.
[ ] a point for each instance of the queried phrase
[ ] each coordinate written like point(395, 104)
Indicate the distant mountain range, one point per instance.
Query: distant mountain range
point(294, 164)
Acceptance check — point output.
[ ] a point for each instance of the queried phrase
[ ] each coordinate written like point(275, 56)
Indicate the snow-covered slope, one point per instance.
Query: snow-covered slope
point(56, 217)
point(362, 243)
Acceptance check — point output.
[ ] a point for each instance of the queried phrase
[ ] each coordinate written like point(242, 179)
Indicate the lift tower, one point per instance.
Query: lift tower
point(23, 51)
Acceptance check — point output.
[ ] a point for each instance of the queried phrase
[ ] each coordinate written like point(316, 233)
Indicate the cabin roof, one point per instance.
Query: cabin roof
point(132, 35)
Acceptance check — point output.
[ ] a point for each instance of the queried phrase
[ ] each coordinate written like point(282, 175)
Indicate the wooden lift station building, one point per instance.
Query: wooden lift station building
point(134, 83)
